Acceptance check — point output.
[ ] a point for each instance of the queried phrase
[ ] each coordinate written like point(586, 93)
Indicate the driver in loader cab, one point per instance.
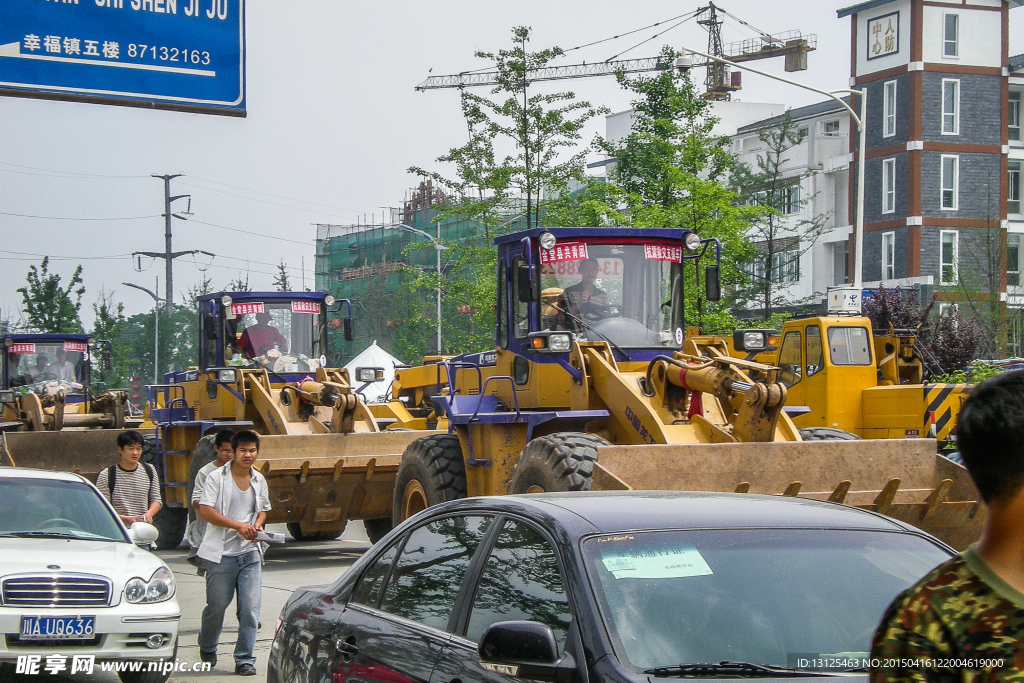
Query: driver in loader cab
point(259, 338)
point(584, 298)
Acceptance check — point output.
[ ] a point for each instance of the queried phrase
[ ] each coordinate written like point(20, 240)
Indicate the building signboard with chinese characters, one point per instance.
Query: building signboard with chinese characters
point(163, 54)
point(883, 35)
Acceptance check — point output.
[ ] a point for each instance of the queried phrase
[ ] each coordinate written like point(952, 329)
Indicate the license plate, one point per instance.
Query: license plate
point(58, 628)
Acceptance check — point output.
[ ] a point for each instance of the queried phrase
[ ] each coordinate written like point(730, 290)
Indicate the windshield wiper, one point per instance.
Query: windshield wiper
point(585, 324)
point(39, 534)
point(731, 669)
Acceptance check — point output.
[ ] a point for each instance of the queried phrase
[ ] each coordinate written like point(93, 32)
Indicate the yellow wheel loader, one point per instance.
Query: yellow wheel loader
point(590, 389)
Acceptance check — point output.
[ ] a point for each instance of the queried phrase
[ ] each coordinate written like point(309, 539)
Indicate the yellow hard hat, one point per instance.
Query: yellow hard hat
point(551, 293)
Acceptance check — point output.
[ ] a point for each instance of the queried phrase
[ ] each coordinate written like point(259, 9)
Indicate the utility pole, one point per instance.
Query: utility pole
point(167, 254)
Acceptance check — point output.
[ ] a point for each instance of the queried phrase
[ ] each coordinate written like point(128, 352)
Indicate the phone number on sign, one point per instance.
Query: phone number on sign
point(168, 54)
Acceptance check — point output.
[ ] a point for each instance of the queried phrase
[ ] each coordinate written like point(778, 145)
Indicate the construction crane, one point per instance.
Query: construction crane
point(720, 83)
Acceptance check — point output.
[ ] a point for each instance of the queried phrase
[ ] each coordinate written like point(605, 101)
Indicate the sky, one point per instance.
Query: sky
point(333, 123)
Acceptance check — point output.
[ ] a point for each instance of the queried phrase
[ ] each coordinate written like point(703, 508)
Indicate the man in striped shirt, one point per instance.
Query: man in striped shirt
point(132, 489)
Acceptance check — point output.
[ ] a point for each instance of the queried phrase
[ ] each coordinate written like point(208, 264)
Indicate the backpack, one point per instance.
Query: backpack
point(112, 476)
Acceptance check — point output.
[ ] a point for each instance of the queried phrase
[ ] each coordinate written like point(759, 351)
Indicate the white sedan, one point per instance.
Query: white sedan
point(75, 589)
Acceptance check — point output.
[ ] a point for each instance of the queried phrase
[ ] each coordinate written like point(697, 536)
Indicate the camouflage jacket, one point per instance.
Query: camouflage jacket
point(961, 622)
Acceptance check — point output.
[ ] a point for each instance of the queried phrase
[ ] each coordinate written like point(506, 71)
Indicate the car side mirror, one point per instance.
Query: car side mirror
point(712, 284)
point(524, 283)
point(143, 533)
point(350, 335)
point(525, 649)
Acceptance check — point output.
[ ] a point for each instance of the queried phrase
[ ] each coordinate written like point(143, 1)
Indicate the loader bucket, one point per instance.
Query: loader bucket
point(322, 480)
point(901, 478)
point(84, 452)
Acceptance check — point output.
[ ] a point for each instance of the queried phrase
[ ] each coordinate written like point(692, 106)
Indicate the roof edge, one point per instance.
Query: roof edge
point(861, 7)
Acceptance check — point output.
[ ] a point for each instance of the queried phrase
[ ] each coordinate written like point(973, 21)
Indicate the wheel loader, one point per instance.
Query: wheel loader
point(589, 388)
point(851, 378)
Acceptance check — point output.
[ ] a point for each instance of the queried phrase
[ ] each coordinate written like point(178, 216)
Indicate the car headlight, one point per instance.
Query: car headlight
point(160, 587)
point(691, 241)
point(559, 342)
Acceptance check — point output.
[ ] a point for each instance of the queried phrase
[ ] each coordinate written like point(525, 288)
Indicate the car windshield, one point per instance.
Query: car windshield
point(281, 336)
point(622, 292)
point(31, 507)
point(780, 597)
point(46, 368)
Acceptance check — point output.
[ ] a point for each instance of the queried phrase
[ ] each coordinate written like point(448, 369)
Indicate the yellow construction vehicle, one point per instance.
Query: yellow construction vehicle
point(262, 366)
point(589, 390)
point(45, 384)
point(850, 378)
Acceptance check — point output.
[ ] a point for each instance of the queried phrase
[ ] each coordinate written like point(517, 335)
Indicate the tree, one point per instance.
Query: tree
point(48, 306)
point(281, 283)
point(489, 190)
point(108, 325)
point(239, 285)
point(672, 171)
point(779, 239)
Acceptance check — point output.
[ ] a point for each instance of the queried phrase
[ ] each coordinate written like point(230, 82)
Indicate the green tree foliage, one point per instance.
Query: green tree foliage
point(672, 172)
point(239, 284)
point(281, 282)
point(49, 306)
point(109, 325)
point(779, 239)
point(494, 190)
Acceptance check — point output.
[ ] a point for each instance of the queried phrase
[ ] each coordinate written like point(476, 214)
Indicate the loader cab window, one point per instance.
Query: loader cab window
point(789, 360)
point(282, 336)
point(502, 295)
point(849, 346)
point(520, 309)
point(814, 354)
point(48, 368)
point(623, 292)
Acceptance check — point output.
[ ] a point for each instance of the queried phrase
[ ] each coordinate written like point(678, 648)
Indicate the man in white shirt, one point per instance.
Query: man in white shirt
point(234, 502)
point(63, 368)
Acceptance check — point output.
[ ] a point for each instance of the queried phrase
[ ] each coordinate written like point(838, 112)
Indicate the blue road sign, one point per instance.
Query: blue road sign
point(168, 54)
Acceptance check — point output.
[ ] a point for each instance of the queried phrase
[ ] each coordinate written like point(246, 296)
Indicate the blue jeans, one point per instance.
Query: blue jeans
point(242, 574)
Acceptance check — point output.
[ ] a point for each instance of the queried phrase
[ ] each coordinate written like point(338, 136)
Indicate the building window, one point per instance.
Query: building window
point(840, 262)
point(831, 129)
point(951, 35)
point(791, 199)
point(1014, 117)
point(889, 106)
point(785, 260)
point(888, 185)
point(1013, 259)
point(950, 106)
point(803, 132)
point(1013, 188)
point(888, 255)
point(950, 182)
point(949, 248)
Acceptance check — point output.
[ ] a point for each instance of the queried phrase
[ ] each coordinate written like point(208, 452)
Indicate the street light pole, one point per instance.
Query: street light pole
point(859, 120)
point(156, 326)
point(438, 248)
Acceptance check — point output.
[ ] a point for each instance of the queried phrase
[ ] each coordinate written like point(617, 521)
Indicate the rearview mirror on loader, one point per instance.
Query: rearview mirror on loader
point(712, 285)
point(524, 283)
point(350, 335)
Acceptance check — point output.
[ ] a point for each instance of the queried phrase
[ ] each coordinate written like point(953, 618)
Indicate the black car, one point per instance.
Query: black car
point(609, 586)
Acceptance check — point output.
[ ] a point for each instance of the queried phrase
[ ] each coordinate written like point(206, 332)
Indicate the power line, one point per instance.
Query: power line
point(656, 35)
point(249, 232)
point(270, 194)
point(70, 218)
point(264, 201)
point(70, 174)
point(628, 33)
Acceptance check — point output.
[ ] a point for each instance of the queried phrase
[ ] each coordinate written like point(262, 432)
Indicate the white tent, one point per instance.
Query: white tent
point(374, 356)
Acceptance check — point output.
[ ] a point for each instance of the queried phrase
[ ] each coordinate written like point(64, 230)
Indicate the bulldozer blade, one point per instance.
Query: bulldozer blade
point(901, 478)
point(321, 480)
point(86, 452)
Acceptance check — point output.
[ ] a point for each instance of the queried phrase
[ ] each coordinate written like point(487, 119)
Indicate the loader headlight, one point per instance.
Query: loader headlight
point(547, 240)
point(160, 587)
point(225, 300)
point(7, 396)
point(329, 299)
point(559, 342)
point(691, 241)
point(369, 374)
point(225, 375)
point(754, 340)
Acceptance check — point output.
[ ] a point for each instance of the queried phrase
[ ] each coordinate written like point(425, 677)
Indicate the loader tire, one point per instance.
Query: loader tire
point(563, 461)
point(295, 529)
point(377, 529)
point(826, 434)
point(432, 472)
point(171, 523)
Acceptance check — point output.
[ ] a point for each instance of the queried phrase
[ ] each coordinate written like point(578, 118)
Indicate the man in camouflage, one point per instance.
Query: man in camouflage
point(964, 621)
